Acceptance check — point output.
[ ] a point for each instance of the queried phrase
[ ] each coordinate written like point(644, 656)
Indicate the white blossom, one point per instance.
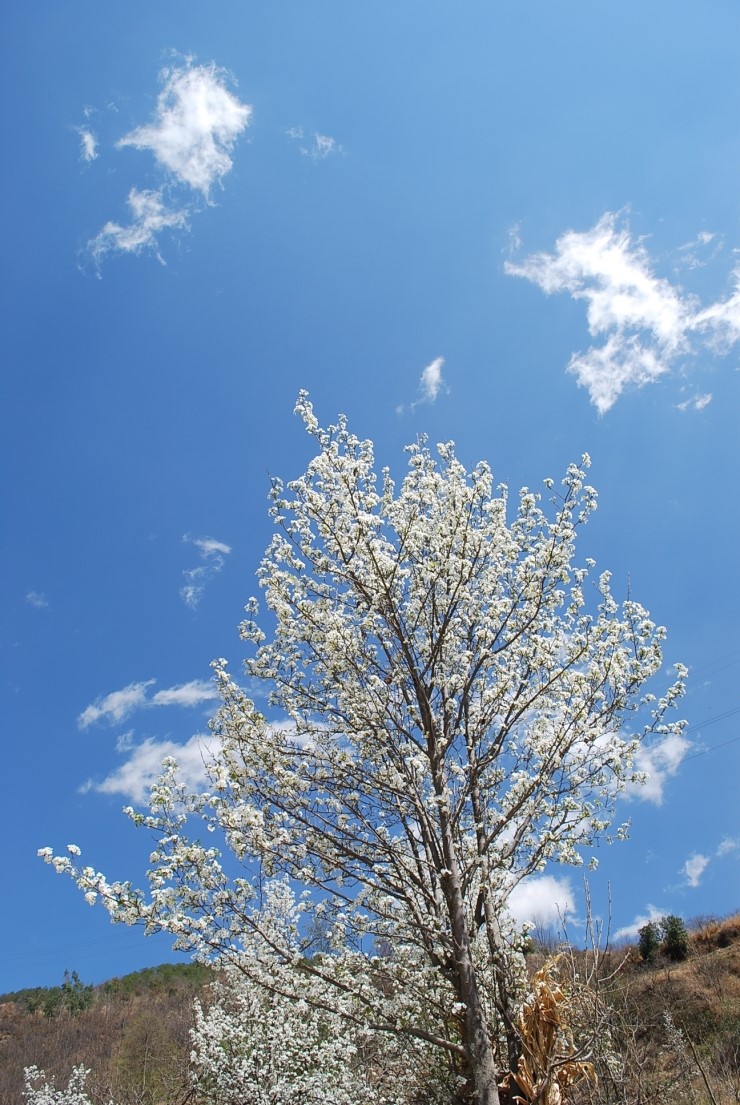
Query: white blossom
point(38, 1091)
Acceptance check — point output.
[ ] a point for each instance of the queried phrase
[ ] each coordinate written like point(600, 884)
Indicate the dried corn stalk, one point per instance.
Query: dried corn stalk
point(549, 1064)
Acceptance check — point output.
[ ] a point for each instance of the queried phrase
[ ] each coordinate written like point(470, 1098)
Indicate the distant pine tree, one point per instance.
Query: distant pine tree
point(649, 945)
point(675, 944)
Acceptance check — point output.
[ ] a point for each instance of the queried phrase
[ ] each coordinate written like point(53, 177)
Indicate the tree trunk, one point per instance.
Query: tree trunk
point(480, 1053)
point(477, 1041)
point(502, 983)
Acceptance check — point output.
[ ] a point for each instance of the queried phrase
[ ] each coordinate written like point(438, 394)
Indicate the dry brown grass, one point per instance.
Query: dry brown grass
point(715, 933)
point(675, 1026)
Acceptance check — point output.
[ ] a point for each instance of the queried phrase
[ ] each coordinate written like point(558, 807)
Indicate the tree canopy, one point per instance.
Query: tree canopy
point(455, 704)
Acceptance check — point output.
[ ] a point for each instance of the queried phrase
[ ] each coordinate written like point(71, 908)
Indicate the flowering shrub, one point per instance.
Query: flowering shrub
point(39, 1092)
point(256, 1043)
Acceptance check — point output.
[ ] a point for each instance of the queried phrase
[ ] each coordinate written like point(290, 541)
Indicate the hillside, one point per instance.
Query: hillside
point(674, 1027)
point(133, 1033)
point(665, 1033)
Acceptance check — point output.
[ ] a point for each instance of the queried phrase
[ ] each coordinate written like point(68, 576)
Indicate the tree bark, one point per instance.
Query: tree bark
point(478, 1046)
point(477, 1038)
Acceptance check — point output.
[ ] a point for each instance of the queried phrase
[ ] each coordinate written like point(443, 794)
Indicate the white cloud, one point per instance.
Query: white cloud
point(431, 383)
point(542, 898)
point(116, 706)
point(196, 124)
point(431, 380)
point(212, 554)
point(629, 932)
point(621, 362)
point(321, 145)
point(727, 846)
point(37, 599)
point(88, 144)
point(604, 267)
point(209, 545)
point(659, 762)
point(695, 403)
point(186, 694)
point(721, 321)
point(125, 741)
point(694, 868)
point(644, 321)
point(695, 254)
point(119, 705)
point(192, 592)
point(135, 777)
point(515, 240)
point(150, 215)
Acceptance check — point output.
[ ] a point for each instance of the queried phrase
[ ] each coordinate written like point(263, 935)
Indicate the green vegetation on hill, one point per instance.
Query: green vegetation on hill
point(73, 995)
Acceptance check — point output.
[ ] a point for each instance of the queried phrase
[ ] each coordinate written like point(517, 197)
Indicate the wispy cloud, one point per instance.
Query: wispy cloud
point(125, 741)
point(116, 706)
point(719, 323)
point(322, 146)
point(196, 124)
point(319, 146)
point(431, 383)
point(209, 546)
point(694, 868)
point(212, 553)
point(119, 705)
point(645, 322)
point(659, 762)
point(695, 403)
point(692, 871)
point(134, 778)
point(700, 251)
point(150, 215)
point(186, 694)
point(542, 898)
point(88, 144)
point(37, 599)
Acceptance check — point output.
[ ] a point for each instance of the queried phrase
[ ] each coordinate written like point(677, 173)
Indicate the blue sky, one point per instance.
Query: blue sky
point(514, 226)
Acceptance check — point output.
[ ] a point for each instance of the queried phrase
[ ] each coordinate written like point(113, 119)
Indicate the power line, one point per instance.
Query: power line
point(711, 721)
point(705, 751)
point(719, 663)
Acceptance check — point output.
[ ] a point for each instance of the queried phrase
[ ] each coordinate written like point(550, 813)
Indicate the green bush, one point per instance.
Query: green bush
point(649, 945)
point(675, 944)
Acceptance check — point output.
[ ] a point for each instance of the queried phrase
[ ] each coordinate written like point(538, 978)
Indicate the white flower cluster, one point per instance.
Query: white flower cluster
point(304, 1032)
point(39, 1092)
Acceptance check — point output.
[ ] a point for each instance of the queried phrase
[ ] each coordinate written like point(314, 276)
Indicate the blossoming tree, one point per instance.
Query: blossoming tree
point(463, 708)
